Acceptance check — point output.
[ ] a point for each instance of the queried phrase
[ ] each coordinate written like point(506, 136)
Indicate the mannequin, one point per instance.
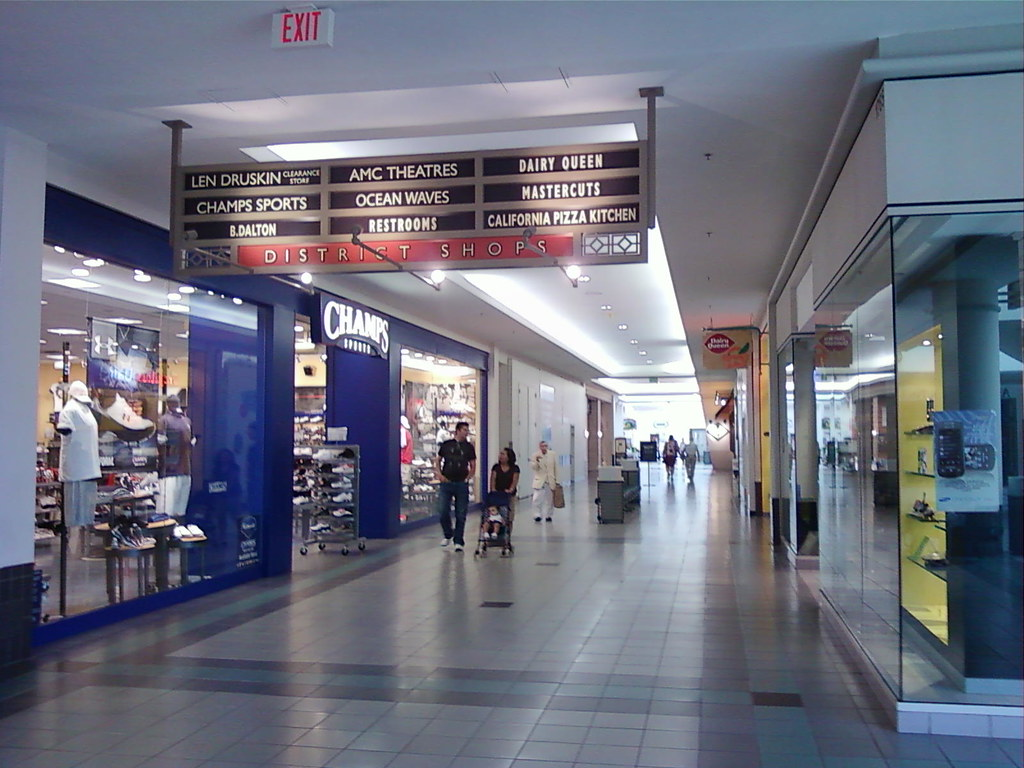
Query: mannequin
point(79, 456)
point(405, 456)
point(175, 441)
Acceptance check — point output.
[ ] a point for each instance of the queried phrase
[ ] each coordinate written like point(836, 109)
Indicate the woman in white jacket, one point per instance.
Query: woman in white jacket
point(545, 476)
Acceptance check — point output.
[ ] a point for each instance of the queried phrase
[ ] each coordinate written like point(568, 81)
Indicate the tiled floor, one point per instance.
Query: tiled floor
point(678, 639)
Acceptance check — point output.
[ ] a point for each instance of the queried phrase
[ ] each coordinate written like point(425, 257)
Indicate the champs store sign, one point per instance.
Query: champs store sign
point(461, 211)
point(351, 327)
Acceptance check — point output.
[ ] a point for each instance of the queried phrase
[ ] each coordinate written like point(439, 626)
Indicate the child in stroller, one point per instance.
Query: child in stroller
point(495, 524)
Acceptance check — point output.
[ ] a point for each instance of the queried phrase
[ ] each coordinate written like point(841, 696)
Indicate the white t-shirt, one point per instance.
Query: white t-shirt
point(79, 451)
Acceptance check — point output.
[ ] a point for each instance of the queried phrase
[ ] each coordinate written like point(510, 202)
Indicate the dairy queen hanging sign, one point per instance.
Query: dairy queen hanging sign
point(351, 327)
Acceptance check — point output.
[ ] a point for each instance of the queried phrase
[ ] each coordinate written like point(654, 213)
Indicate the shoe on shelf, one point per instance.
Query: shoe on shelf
point(445, 542)
point(195, 530)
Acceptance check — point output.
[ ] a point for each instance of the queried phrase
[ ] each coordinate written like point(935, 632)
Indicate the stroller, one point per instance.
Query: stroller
point(496, 511)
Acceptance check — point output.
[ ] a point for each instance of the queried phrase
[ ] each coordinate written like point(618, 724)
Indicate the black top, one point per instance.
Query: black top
point(503, 480)
point(455, 458)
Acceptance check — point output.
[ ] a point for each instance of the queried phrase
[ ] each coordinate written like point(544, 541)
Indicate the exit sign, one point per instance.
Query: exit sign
point(303, 28)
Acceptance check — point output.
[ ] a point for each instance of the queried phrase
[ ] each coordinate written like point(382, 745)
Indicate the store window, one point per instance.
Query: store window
point(149, 446)
point(855, 393)
point(437, 393)
point(957, 285)
point(920, 469)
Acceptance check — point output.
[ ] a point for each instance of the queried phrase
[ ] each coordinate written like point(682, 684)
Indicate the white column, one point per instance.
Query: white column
point(22, 196)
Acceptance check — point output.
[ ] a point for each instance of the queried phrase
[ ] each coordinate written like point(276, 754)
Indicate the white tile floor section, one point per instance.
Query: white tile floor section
point(677, 640)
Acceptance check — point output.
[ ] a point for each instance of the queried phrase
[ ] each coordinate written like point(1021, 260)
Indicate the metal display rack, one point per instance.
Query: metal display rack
point(326, 494)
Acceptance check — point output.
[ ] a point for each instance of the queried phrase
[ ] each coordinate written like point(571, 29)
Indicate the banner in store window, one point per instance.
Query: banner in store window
point(727, 348)
point(123, 373)
point(833, 347)
point(966, 461)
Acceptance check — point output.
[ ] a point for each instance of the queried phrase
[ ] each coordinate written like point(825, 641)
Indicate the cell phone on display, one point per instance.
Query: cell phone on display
point(949, 449)
point(980, 457)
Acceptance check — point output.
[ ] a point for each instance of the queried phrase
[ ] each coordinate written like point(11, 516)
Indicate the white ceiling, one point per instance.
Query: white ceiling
point(754, 92)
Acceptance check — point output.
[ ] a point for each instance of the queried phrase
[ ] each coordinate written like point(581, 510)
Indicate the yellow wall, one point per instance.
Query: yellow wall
point(923, 592)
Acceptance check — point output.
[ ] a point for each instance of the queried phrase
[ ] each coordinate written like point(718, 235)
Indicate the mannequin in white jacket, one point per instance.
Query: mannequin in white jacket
point(545, 476)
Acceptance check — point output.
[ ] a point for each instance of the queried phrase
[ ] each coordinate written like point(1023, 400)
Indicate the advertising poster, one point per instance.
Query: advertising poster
point(648, 451)
point(123, 375)
point(727, 349)
point(248, 541)
point(967, 461)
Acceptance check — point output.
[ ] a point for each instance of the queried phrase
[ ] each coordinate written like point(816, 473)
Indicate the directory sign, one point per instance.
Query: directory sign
point(502, 208)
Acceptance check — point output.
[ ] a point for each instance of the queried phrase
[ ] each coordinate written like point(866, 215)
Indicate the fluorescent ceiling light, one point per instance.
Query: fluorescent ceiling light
point(174, 307)
point(66, 332)
point(502, 289)
point(472, 142)
point(93, 262)
point(80, 272)
point(435, 367)
point(75, 282)
point(683, 385)
point(122, 320)
point(304, 345)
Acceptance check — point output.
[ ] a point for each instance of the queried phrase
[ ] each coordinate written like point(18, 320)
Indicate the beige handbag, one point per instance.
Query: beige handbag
point(558, 497)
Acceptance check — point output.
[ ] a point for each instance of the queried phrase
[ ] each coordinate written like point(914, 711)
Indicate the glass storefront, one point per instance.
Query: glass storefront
point(921, 444)
point(153, 387)
point(437, 393)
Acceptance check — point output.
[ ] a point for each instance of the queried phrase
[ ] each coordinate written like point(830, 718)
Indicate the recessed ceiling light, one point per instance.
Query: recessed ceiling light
point(42, 341)
point(643, 352)
point(174, 307)
point(927, 342)
point(43, 302)
point(939, 336)
point(80, 272)
point(93, 263)
point(306, 278)
point(430, 358)
point(606, 307)
point(634, 341)
point(623, 326)
point(299, 329)
point(174, 296)
point(417, 354)
point(584, 279)
point(237, 301)
point(75, 282)
point(405, 351)
point(650, 362)
point(77, 255)
point(59, 249)
point(66, 332)
point(122, 320)
point(183, 335)
point(142, 277)
point(186, 289)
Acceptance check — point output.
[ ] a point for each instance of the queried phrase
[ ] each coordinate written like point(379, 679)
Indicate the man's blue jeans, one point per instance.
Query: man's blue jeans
point(446, 492)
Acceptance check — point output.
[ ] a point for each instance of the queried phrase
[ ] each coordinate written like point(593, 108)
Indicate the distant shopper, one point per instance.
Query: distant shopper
point(454, 464)
point(690, 453)
point(545, 477)
point(668, 455)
